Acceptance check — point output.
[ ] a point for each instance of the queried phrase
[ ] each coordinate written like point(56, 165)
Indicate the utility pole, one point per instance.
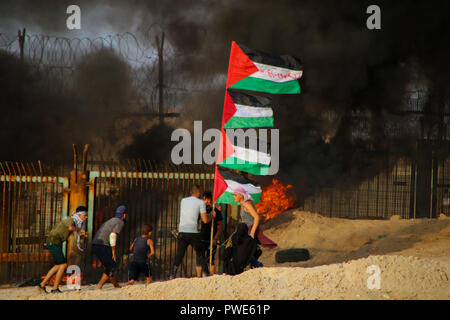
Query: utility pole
point(21, 42)
point(160, 46)
point(161, 114)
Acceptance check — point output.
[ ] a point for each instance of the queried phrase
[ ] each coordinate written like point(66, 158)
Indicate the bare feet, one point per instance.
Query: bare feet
point(114, 282)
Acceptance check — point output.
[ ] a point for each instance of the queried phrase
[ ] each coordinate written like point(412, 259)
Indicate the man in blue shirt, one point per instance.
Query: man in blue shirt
point(191, 209)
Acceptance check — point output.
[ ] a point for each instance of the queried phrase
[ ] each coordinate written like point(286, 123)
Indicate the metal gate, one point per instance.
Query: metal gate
point(152, 192)
point(35, 197)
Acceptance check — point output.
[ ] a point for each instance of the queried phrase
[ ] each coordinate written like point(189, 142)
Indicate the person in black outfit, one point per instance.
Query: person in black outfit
point(205, 232)
point(243, 249)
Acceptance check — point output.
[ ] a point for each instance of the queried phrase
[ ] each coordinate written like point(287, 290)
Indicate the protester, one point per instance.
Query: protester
point(141, 247)
point(250, 217)
point(55, 239)
point(191, 209)
point(242, 251)
point(205, 232)
point(104, 245)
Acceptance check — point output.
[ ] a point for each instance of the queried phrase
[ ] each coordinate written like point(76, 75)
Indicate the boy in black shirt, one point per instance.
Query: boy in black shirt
point(140, 248)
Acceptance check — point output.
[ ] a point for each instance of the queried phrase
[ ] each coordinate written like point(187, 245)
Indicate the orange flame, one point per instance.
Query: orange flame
point(275, 199)
point(64, 280)
point(52, 280)
point(96, 264)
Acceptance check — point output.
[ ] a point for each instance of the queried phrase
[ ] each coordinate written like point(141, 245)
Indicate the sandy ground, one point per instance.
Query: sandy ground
point(412, 256)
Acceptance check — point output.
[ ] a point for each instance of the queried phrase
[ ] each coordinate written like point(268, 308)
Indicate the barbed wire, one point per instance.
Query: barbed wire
point(63, 52)
point(58, 56)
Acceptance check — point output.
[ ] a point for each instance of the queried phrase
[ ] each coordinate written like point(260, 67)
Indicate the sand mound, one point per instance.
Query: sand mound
point(413, 257)
point(334, 240)
point(400, 278)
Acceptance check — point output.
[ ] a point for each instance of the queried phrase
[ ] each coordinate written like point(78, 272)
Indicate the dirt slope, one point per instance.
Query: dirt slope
point(412, 256)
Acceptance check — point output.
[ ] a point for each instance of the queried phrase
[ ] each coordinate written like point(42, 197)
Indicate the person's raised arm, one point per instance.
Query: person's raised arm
point(152, 248)
point(249, 207)
point(82, 232)
point(206, 218)
point(132, 245)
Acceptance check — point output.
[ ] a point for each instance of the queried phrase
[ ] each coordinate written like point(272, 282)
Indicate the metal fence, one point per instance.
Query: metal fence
point(442, 187)
point(392, 192)
point(35, 196)
point(33, 201)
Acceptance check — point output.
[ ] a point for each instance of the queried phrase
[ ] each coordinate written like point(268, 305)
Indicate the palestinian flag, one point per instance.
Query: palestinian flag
point(243, 155)
point(225, 181)
point(243, 110)
point(255, 70)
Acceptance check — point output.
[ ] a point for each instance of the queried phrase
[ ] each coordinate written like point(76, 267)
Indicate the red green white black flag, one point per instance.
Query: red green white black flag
point(255, 70)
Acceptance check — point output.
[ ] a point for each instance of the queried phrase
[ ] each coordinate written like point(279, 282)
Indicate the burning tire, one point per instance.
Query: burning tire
point(292, 255)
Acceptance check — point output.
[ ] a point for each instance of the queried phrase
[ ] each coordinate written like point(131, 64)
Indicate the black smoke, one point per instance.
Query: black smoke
point(349, 121)
point(42, 119)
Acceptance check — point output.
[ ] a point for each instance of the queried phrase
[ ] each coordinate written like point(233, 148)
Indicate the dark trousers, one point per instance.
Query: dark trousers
point(104, 254)
point(206, 254)
point(138, 267)
point(186, 239)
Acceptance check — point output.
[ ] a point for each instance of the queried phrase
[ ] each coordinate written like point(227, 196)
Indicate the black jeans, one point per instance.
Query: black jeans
point(104, 254)
point(186, 239)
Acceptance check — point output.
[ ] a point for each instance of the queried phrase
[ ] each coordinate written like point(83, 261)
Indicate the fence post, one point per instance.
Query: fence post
point(412, 188)
point(4, 230)
point(78, 182)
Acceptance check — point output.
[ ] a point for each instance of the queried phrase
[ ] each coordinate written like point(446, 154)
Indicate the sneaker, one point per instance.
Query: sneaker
point(42, 289)
point(56, 291)
point(256, 264)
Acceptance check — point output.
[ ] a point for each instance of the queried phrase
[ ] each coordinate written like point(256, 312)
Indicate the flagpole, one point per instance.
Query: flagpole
point(211, 239)
point(212, 223)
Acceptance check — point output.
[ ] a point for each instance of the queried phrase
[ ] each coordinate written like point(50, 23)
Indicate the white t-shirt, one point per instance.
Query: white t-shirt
point(190, 210)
